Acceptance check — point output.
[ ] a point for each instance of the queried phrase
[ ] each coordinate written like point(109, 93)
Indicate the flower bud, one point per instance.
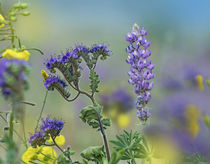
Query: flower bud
point(25, 13)
point(13, 18)
point(23, 5)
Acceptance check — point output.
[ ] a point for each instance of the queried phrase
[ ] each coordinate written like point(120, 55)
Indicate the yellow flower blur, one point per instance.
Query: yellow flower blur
point(30, 155)
point(60, 140)
point(192, 115)
point(47, 155)
point(199, 81)
point(44, 75)
point(13, 54)
point(2, 21)
point(123, 120)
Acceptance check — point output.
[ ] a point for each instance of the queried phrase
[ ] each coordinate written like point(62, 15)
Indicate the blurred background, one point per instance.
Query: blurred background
point(180, 37)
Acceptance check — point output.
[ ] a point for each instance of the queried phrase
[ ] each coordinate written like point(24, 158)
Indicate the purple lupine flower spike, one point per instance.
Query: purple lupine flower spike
point(140, 69)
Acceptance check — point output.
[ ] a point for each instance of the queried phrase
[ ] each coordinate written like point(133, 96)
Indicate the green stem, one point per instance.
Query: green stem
point(61, 149)
point(12, 35)
point(43, 105)
point(11, 124)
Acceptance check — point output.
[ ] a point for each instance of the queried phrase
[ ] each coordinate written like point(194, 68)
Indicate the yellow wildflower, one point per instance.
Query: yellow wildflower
point(123, 120)
point(192, 115)
point(44, 75)
point(13, 54)
point(30, 155)
point(47, 155)
point(2, 21)
point(24, 55)
point(199, 81)
point(60, 140)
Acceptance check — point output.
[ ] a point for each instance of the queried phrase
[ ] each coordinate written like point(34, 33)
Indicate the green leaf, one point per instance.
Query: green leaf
point(93, 153)
point(94, 81)
point(62, 160)
point(116, 156)
point(91, 114)
point(134, 145)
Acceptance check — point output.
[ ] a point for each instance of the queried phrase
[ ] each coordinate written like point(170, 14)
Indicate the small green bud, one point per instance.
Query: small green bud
point(102, 57)
point(206, 120)
point(16, 6)
point(10, 80)
point(78, 71)
point(208, 82)
point(94, 61)
point(23, 5)
point(12, 13)
point(13, 18)
point(25, 13)
point(15, 68)
point(79, 60)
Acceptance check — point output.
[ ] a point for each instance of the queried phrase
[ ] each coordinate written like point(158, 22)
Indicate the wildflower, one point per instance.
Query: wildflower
point(2, 21)
point(47, 155)
point(199, 80)
point(123, 120)
point(50, 81)
point(13, 72)
point(59, 140)
point(101, 49)
point(141, 69)
point(52, 127)
point(30, 155)
point(44, 75)
point(192, 115)
point(13, 54)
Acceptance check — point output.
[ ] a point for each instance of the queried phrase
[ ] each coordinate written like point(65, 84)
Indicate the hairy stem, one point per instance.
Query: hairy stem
point(61, 149)
point(43, 105)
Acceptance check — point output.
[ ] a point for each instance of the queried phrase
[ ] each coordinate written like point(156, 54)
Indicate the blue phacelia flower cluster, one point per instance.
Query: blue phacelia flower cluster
point(48, 128)
point(140, 69)
point(52, 80)
point(13, 76)
point(80, 51)
point(69, 65)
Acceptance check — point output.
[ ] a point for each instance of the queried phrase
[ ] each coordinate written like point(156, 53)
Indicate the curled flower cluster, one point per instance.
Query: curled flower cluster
point(69, 65)
point(48, 129)
point(76, 53)
point(141, 69)
point(52, 80)
point(13, 76)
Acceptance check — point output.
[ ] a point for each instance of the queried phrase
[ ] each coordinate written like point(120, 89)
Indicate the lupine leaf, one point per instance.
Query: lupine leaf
point(116, 156)
point(134, 146)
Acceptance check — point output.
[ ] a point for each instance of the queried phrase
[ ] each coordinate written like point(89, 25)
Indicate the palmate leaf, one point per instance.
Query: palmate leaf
point(94, 81)
point(116, 156)
point(133, 145)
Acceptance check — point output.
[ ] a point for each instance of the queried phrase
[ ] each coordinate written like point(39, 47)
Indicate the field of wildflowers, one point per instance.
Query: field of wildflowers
point(79, 87)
